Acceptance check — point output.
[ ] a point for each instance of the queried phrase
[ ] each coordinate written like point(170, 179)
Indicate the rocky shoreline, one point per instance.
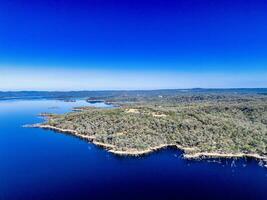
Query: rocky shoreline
point(189, 152)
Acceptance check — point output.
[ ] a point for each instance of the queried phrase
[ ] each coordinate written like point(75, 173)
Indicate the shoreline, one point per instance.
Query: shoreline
point(188, 152)
point(49, 127)
point(225, 155)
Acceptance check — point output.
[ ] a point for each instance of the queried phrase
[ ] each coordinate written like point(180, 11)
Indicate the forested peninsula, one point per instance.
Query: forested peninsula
point(200, 124)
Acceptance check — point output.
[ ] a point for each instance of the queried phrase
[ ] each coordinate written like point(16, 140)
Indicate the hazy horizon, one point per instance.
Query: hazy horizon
point(103, 90)
point(67, 79)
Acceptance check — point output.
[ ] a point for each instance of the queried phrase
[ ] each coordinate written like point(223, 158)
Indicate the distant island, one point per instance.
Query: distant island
point(202, 124)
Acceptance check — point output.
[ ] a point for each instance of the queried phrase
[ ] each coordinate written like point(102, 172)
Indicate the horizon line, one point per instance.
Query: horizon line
point(106, 90)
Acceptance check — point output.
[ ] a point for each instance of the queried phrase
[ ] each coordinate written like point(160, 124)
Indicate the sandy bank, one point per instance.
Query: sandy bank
point(134, 152)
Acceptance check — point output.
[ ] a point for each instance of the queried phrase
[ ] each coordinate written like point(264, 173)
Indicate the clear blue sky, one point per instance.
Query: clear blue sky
point(132, 44)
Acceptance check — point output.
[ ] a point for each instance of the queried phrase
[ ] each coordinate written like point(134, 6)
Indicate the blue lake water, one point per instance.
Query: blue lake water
point(40, 164)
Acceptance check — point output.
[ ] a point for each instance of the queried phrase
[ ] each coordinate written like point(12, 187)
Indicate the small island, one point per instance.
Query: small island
point(201, 125)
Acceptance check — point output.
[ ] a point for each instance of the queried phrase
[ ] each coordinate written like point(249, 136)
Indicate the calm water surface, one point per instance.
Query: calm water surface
point(41, 164)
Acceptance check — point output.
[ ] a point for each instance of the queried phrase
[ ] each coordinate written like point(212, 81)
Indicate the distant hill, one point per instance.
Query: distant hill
point(121, 93)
